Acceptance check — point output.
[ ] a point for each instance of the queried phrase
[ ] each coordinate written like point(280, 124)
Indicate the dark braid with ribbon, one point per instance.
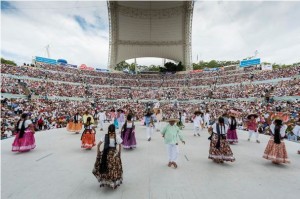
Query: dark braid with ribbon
point(277, 136)
point(233, 123)
point(219, 128)
point(103, 164)
point(22, 130)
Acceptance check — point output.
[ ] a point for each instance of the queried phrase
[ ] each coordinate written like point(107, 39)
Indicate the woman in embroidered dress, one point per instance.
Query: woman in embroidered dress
point(88, 139)
point(220, 150)
point(24, 140)
point(75, 124)
point(128, 134)
point(108, 166)
point(275, 149)
point(231, 133)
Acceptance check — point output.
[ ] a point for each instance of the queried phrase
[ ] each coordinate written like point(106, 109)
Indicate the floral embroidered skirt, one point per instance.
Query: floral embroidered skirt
point(224, 153)
point(88, 139)
point(276, 152)
point(114, 176)
point(74, 127)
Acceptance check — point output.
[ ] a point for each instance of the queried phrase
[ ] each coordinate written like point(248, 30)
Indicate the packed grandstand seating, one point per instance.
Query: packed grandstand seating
point(177, 92)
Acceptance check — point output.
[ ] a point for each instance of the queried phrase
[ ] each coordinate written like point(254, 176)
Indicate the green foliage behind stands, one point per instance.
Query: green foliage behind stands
point(9, 62)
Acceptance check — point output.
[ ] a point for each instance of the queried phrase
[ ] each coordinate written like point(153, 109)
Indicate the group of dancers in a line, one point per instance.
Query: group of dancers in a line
point(108, 166)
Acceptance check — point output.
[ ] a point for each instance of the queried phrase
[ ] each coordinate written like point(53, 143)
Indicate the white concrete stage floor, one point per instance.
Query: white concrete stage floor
point(58, 168)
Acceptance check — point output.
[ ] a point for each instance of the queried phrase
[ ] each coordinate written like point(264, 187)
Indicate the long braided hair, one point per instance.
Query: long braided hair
point(103, 165)
point(277, 136)
point(22, 130)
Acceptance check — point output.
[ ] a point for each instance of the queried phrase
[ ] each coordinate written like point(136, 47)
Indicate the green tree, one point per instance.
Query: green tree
point(132, 67)
point(213, 64)
point(122, 66)
point(9, 62)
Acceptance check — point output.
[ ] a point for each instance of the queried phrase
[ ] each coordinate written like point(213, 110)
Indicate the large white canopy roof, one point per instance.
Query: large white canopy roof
point(150, 29)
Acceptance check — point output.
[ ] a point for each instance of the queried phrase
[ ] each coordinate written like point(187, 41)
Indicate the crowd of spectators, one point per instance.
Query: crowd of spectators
point(67, 82)
point(56, 113)
point(60, 73)
point(48, 88)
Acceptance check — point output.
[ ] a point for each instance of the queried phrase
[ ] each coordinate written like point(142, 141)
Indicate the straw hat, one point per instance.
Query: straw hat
point(172, 120)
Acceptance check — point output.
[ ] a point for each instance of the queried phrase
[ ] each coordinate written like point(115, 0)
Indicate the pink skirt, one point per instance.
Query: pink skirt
point(232, 136)
point(26, 143)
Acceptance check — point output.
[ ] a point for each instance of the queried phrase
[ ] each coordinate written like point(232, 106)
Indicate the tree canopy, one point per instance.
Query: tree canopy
point(5, 61)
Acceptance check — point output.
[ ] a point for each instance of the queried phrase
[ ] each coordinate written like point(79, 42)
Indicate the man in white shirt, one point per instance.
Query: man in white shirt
point(197, 123)
point(101, 118)
point(206, 118)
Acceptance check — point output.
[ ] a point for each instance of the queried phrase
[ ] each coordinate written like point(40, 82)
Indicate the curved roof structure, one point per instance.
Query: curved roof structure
point(150, 29)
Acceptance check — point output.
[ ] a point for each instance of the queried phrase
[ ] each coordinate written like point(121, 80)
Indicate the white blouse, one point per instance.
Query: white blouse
point(27, 123)
point(214, 126)
point(282, 129)
point(129, 125)
point(112, 140)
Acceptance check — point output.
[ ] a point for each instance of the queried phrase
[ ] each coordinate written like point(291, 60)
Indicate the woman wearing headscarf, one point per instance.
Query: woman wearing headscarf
point(88, 139)
point(275, 149)
point(220, 150)
point(108, 166)
point(24, 140)
point(128, 134)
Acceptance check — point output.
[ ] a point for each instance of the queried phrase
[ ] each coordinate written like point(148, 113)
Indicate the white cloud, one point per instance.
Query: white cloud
point(221, 31)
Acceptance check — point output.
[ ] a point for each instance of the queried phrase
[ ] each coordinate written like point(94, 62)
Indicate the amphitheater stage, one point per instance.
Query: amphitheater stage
point(58, 168)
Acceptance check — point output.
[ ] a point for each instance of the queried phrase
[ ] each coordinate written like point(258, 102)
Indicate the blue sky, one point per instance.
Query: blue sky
point(78, 31)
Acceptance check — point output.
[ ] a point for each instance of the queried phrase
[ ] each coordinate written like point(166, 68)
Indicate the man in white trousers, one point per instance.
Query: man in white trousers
point(149, 120)
point(198, 121)
point(101, 118)
point(206, 118)
point(158, 120)
point(172, 134)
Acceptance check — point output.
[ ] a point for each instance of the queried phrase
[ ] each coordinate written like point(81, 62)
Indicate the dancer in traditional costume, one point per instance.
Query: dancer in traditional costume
point(275, 149)
point(197, 123)
point(75, 124)
point(172, 134)
point(179, 123)
point(220, 150)
point(88, 139)
point(206, 118)
point(24, 140)
point(128, 134)
point(85, 116)
point(296, 131)
point(158, 115)
point(231, 133)
point(121, 119)
point(101, 117)
point(108, 166)
point(252, 126)
point(149, 120)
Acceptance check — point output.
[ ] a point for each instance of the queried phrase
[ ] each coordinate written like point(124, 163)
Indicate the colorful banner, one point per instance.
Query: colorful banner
point(102, 70)
point(196, 71)
point(250, 62)
point(85, 67)
point(45, 60)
